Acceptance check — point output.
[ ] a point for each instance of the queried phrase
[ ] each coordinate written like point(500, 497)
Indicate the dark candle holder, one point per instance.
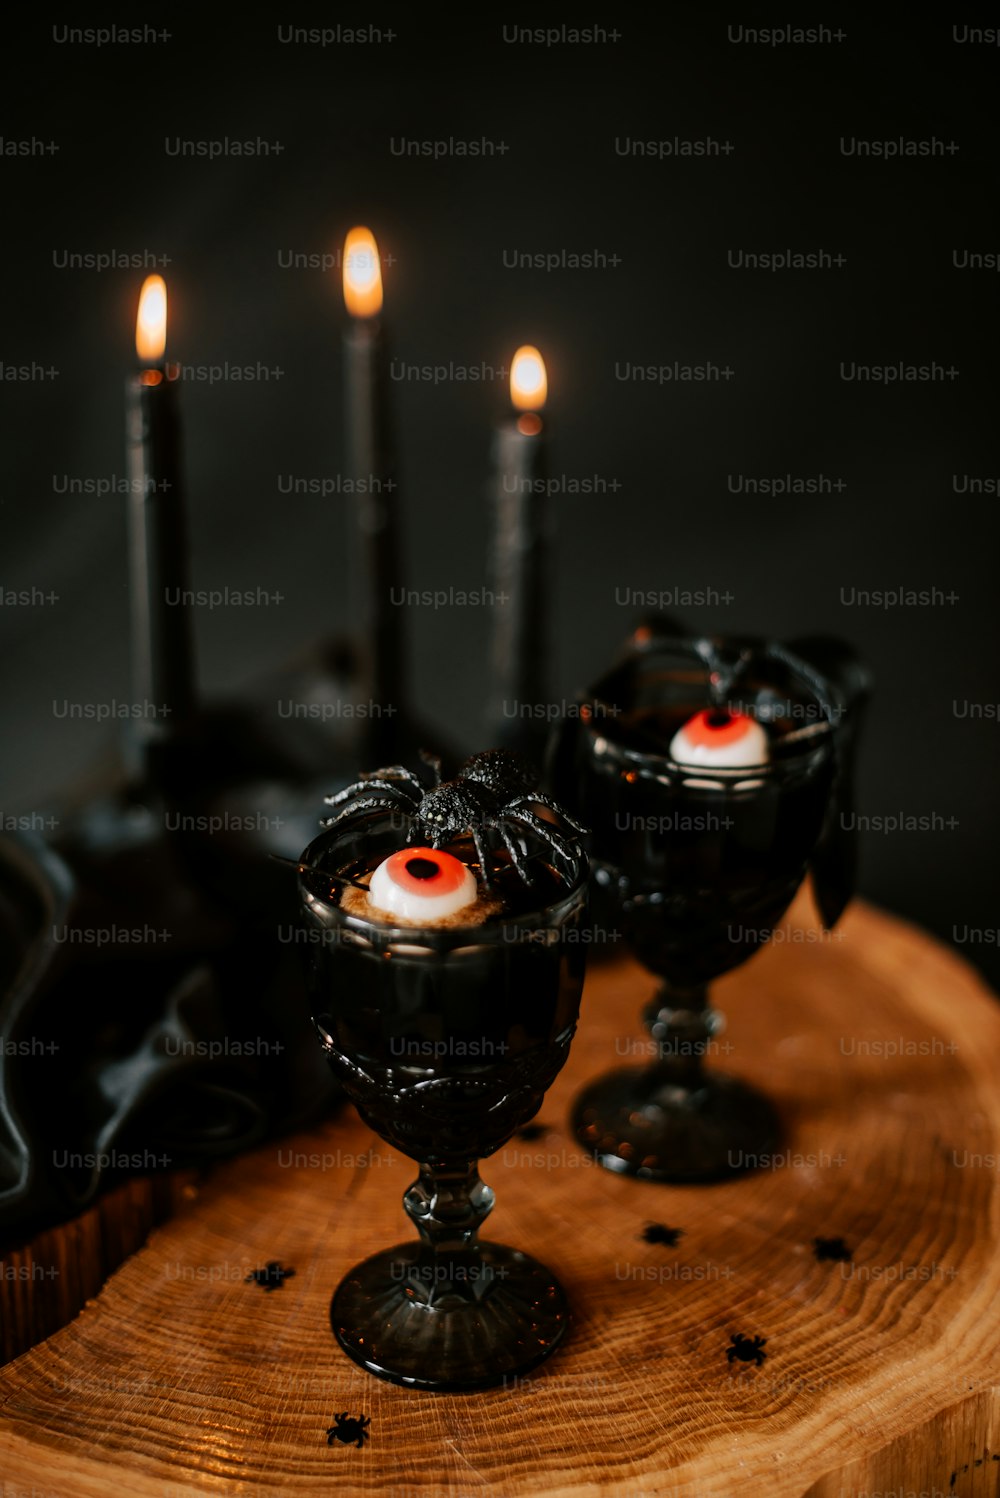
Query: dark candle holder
point(699, 864)
point(445, 1040)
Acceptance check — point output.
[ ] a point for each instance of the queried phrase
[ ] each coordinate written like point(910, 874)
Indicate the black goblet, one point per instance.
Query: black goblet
point(697, 864)
point(446, 1039)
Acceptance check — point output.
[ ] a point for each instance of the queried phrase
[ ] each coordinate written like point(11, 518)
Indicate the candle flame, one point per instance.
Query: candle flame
point(362, 274)
point(528, 381)
point(151, 322)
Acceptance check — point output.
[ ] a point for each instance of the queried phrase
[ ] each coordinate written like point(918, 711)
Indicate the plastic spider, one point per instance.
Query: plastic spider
point(494, 791)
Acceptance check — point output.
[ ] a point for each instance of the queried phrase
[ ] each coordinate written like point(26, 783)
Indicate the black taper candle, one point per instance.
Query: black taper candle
point(518, 716)
point(376, 569)
point(161, 645)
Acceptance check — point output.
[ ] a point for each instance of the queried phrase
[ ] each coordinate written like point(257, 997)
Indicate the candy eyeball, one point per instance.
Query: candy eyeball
point(422, 884)
point(721, 739)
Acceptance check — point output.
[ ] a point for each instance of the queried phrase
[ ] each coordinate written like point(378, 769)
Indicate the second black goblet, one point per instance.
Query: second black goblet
point(698, 863)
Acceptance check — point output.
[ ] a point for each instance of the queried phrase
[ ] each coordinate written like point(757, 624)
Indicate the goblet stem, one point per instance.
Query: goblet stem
point(682, 1023)
point(449, 1312)
point(448, 1203)
point(676, 1119)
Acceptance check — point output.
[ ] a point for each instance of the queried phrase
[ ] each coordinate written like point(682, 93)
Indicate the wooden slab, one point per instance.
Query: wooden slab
point(881, 1049)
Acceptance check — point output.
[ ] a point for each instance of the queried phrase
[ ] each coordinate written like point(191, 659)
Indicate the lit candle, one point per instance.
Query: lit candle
point(371, 466)
point(521, 523)
point(162, 654)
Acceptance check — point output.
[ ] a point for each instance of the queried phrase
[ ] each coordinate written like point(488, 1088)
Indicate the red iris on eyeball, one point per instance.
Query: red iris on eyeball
point(716, 736)
point(422, 884)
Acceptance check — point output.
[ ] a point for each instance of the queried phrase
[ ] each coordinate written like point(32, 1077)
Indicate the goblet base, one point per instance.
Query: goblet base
point(412, 1323)
point(638, 1124)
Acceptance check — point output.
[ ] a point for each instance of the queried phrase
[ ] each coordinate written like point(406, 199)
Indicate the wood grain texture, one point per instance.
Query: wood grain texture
point(880, 1048)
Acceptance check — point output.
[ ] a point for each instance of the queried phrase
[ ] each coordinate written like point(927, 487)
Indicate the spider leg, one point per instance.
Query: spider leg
point(364, 803)
point(433, 762)
point(551, 836)
point(536, 798)
point(349, 790)
point(398, 772)
point(516, 856)
point(483, 855)
point(376, 781)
